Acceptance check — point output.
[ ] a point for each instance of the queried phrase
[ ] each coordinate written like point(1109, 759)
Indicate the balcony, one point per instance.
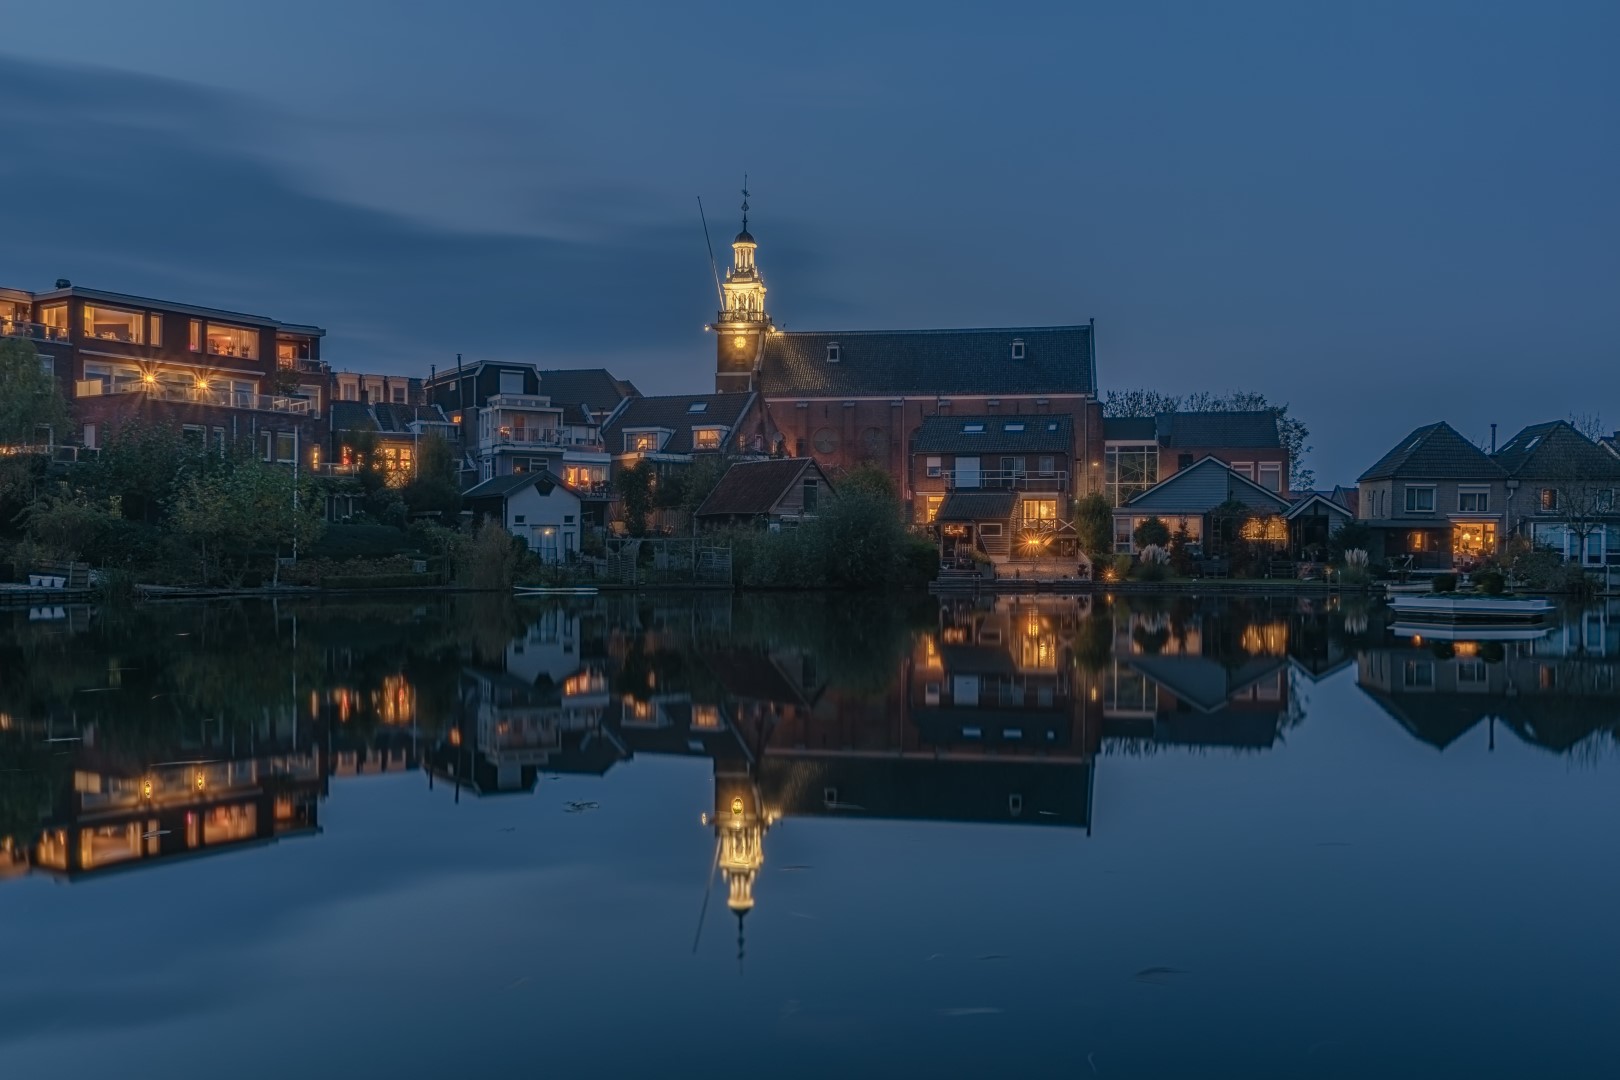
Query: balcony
point(37, 331)
point(998, 480)
point(218, 398)
point(531, 438)
point(590, 489)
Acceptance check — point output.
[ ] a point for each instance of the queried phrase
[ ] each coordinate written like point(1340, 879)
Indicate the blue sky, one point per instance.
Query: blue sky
point(1383, 215)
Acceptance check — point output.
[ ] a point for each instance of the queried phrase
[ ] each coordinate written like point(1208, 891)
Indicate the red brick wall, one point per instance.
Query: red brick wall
point(855, 432)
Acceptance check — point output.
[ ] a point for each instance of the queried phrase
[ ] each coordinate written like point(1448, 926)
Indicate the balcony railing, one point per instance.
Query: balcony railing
point(59, 454)
point(220, 398)
point(590, 489)
point(1006, 480)
point(543, 437)
point(37, 331)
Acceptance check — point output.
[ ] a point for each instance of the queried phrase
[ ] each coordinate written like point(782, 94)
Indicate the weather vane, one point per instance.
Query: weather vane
point(745, 202)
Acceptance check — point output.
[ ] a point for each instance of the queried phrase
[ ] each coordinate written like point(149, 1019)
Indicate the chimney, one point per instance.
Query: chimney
point(1493, 438)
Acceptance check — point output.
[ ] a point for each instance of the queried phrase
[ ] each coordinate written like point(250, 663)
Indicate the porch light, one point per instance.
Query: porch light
point(201, 782)
point(202, 384)
point(736, 807)
point(148, 378)
point(146, 788)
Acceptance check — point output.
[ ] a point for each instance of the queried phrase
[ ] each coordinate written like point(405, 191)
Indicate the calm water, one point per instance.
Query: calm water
point(800, 837)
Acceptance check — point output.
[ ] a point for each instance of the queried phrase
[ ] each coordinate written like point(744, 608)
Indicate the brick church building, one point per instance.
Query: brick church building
point(854, 397)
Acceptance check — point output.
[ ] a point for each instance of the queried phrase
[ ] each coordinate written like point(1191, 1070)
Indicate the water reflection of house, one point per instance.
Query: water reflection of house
point(113, 819)
point(1197, 680)
point(1554, 687)
point(537, 708)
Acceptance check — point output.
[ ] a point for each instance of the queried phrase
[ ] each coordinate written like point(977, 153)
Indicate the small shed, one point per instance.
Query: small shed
point(535, 507)
point(772, 491)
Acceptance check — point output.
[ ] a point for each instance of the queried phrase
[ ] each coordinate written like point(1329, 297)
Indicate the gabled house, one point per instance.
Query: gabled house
point(1187, 501)
point(535, 507)
point(1313, 519)
point(1561, 489)
point(1139, 452)
point(775, 492)
point(1434, 501)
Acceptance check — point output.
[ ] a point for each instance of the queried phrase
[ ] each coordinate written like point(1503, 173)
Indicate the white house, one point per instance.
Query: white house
point(536, 507)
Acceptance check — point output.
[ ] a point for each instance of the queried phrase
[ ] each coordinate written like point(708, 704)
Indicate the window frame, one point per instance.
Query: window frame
point(1480, 493)
point(1408, 500)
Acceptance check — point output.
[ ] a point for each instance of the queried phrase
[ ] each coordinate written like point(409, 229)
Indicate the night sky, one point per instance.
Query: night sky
point(1383, 214)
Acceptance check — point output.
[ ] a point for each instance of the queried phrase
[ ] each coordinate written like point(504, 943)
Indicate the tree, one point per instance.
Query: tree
point(435, 487)
point(30, 399)
point(145, 467)
point(868, 479)
point(69, 526)
point(32, 412)
point(1291, 431)
point(246, 509)
point(1094, 525)
point(1152, 533)
point(635, 489)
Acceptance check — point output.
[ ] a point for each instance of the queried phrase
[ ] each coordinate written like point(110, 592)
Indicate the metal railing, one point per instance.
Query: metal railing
point(543, 437)
point(591, 489)
point(218, 397)
point(37, 331)
point(1006, 480)
point(60, 454)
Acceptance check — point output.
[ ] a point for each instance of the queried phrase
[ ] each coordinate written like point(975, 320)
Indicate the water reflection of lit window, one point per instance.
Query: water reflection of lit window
point(706, 717)
point(1265, 639)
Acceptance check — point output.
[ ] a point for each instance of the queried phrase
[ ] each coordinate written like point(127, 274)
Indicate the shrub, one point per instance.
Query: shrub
point(491, 560)
point(1355, 558)
point(1445, 583)
point(1151, 571)
point(1094, 524)
point(1490, 582)
point(1152, 533)
point(361, 541)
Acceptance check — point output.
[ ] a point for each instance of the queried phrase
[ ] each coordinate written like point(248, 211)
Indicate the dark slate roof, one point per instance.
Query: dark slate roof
point(1057, 360)
point(1255, 430)
point(977, 506)
point(501, 487)
point(675, 413)
point(392, 417)
point(352, 416)
point(594, 387)
point(1556, 449)
point(753, 487)
point(1435, 452)
point(953, 434)
point(1323, 504)
point(1130, 429)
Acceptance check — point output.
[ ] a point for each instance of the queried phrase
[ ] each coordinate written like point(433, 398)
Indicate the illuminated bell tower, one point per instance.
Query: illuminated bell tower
point(742, 324)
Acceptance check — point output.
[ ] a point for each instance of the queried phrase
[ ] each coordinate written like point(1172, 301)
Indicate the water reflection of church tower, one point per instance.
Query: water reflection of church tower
point(740, 824)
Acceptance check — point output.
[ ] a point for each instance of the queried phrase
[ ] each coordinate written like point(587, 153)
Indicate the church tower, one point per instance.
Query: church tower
point(742, 325)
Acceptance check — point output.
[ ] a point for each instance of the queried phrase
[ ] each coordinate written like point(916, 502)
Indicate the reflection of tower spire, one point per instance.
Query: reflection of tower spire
point(740, 915)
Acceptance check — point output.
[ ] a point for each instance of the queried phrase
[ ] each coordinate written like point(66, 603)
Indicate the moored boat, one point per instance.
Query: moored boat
point(1440, 607)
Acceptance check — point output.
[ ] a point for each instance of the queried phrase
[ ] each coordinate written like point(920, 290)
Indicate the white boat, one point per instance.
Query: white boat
point(1484, 609)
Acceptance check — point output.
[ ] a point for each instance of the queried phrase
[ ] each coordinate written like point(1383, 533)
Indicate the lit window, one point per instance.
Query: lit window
point(834, 353)
point(195, 340)
point(706, 438)
point(114, 324)
point(237, 341)
point(55, 320)
point(156, 335)
point(1549, 500)
point(1018, 348)
point(641, 441)
point(931, 509)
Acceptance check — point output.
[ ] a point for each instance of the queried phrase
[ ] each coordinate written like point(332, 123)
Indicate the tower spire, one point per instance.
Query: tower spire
point(745, 202)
